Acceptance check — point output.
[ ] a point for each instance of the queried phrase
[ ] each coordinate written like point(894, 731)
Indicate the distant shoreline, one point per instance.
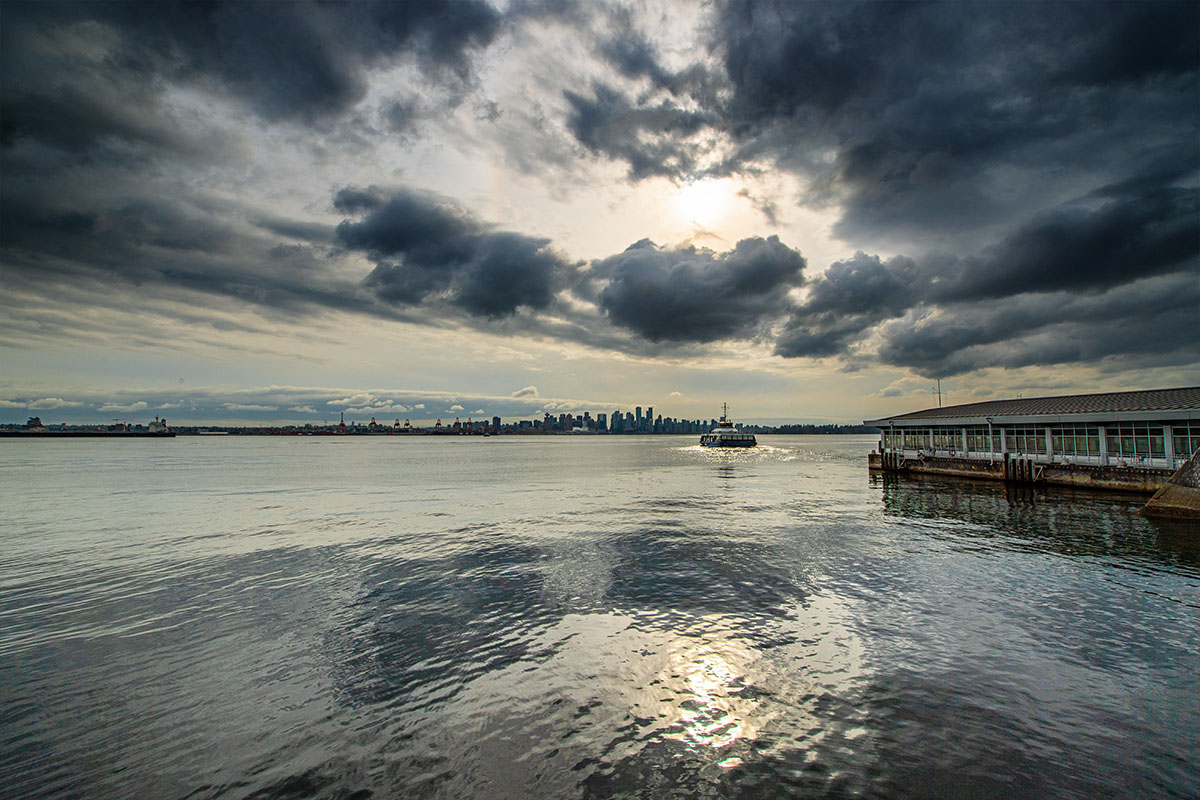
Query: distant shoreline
point(27, 434)
point(18, 433)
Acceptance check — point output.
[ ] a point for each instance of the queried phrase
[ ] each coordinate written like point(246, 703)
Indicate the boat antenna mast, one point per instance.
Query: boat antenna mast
point(725, 412)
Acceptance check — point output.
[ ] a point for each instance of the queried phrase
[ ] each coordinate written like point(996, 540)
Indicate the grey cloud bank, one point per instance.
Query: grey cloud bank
point(1084, 270)
point(306, 62)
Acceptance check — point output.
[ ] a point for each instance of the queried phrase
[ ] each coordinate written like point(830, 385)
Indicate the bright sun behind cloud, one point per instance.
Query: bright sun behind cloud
point(705, 202)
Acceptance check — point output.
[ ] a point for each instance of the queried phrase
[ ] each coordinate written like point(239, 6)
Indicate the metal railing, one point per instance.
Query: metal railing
point(1123, 461)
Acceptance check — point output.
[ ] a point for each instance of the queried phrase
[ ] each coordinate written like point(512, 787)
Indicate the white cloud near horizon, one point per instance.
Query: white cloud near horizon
point(140, 405)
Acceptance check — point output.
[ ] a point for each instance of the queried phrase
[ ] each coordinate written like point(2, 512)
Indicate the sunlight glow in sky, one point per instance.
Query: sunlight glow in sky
point(705, 202)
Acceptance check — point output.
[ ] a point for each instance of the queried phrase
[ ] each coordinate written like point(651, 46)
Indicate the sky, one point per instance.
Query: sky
point(281, 212)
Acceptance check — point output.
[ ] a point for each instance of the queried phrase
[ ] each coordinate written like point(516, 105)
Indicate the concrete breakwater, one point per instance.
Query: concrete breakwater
point(1024, 469)
point(1180, 496)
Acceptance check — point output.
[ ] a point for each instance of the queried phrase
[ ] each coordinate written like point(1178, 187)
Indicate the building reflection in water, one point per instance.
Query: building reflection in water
point(1065, 521)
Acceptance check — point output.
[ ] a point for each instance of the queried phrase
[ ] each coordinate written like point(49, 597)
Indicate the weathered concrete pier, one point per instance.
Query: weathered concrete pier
point(1180, 495)
point(1122, 441)
point(1025, 469)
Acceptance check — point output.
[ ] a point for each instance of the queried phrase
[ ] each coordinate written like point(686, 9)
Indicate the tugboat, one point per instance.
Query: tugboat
point(725, 435)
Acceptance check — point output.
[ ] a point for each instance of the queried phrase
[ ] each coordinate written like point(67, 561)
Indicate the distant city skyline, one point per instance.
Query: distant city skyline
point(259, 213)
point(309, 407)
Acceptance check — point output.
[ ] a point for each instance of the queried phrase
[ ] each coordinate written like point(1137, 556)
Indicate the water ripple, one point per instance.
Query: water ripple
point(554, 617)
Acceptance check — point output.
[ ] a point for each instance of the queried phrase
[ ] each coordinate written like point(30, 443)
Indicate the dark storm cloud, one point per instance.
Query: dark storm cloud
point(426, 247)
point(1132, 42)
point(1083, 249)
point(294, 229)
point(630, 52)
point(1158, 317)
point(933, 111)
point(352, 200)
point(92, 110)
point(784, 57)
point(87, 104)
point(401, 115)
point(1038, 162)
point(913, 118)
point(662, 130)
point(157, 245)
point(785, 65)
point(695, 295)
point(1072, 249)
point(851, 297)
point(75, 73)
point(651, 138)
point(433, 262)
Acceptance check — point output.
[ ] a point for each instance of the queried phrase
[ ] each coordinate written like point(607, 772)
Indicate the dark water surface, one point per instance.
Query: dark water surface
point(545, 617)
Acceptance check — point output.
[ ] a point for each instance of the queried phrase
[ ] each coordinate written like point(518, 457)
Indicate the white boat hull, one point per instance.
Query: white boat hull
point(727, 435)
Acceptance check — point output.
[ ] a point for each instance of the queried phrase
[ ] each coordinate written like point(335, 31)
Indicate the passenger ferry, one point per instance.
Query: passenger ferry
point(725, 435)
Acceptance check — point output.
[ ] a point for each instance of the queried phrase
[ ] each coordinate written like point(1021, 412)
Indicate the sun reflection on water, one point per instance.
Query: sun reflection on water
point(712, 676)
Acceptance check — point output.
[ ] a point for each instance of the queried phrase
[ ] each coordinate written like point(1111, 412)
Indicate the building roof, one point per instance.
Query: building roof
point(1148, 400)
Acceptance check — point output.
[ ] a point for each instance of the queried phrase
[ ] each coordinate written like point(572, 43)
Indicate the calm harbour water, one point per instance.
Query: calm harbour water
point(546, 617)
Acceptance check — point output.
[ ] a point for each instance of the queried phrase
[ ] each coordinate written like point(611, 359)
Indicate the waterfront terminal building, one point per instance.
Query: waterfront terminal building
point(1121, 440)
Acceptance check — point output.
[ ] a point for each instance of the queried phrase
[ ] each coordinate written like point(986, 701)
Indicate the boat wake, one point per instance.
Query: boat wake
point(741, 455)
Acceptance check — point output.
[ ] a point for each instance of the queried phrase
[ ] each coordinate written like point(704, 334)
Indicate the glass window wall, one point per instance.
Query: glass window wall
point(1136, 440)
point(1025, 439)
point(1185, 436)
point(1076, 440)
point(977, 439)
point(916, 438)
point(945, 438)
point(1129, 441)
